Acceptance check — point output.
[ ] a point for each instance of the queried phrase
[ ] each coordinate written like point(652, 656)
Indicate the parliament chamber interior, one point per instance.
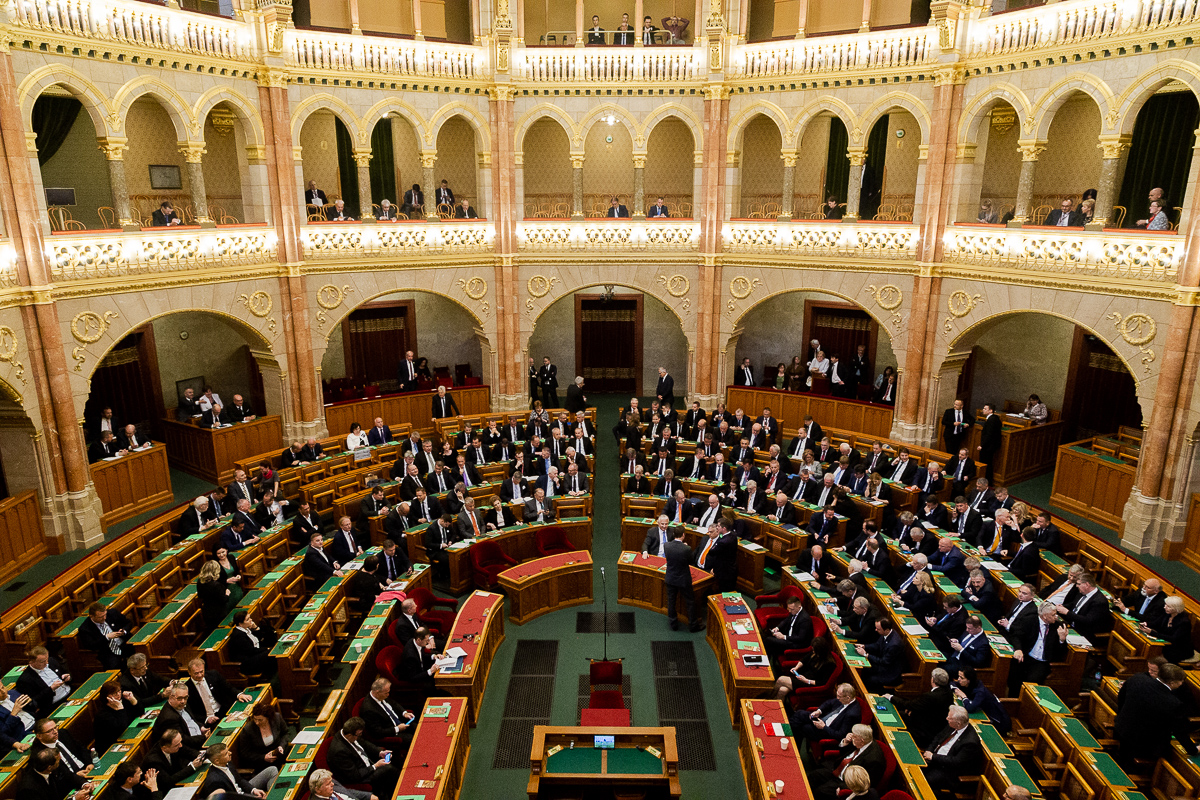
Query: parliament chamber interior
point(497, 399)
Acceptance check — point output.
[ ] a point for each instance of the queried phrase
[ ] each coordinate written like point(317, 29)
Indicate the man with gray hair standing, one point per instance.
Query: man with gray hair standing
point(576, 401)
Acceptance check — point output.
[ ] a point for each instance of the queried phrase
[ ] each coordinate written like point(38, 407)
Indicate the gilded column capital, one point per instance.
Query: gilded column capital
point(428, 159)
point(113, 147)
point(639, 160)
point(789, 159)
point(256, 152)
point(192, 152)
point(576, 161)
point(272, 78)
point(502, 93)
point(362, 158)
point(716, 91)
point(1031, 150)
point(858, 157)
point(949, 75)
point(1113, 146)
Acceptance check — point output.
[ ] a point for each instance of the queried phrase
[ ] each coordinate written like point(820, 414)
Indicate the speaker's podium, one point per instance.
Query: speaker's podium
point(641, 761)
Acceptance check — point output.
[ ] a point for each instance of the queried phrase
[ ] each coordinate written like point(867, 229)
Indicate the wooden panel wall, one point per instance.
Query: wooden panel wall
point(790, 408)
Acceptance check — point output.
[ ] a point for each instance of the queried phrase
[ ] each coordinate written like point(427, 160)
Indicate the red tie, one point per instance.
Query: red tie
point(845, 763)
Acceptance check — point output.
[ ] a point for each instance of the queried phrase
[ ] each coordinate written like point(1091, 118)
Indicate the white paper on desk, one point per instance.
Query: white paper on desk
point(915, 630)
point(1075, 639)
point(111, 458)
point(182, 793)
point(307, 737)
point(445, 662)
point(803, 576)
point(993, 566)
point(777, 729)
point(456, 652)
point(929, 526)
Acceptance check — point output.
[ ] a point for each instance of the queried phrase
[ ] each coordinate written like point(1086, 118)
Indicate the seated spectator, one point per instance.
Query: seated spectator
point(954, 753)
point(445, 197)
point(386, 212)
point(1036, 410)
point(105, 633)
point(105, 448)
point(1087, 209)
point(1065, 216)
point(465, 210)
point(414, 200)
point(1174, 627)
point(976, 696)
point(339, 213)
point(222, 777)
point(813, 669)
point(263, 742)
point(833, 719)
point(146, 686)
point(44, 680)
point(857, 748)
point(314, 196)
point(617, 210)
point(165, 216)
point(250, 644)
point(925, 714)
point(46, 778)
point(657, 210)
point(112, 712)
point(987, 214)
point(832, 208)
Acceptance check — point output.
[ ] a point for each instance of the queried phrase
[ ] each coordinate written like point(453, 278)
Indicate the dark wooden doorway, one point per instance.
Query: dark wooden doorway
point(375, 337)
point(840, 328)
point(1100, 395)
point(608, 343)
point(127, 380)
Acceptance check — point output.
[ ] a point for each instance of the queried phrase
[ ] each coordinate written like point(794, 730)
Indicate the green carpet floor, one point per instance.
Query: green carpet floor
point(574, 650)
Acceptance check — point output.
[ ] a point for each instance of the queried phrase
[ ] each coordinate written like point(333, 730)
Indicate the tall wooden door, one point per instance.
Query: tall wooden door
point(608, 343)
point(840, 328)
point(374, 339)
point(1100, 394)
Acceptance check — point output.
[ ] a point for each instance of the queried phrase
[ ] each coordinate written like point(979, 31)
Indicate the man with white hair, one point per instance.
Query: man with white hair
point(1145, 605)
point(201, 517)
point(665, 391)
point(576, 401)
point(859, 748)
point(955, 752)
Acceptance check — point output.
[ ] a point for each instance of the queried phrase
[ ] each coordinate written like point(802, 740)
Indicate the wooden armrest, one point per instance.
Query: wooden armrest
point(1026, 731)
point(332, 704)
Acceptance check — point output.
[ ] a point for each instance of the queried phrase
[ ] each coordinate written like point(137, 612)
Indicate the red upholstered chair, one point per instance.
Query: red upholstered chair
point(388, 662)
point(769, 607)
point(896, 794)
point(605, 673)
point(427, 605)
point(488, 561)
point(321, 761)
point(552, 541)
point(392, 637)
point(791, 658)
point(606, 698)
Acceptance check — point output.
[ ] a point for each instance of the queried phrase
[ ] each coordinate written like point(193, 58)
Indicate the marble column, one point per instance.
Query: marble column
point(363, 159)
point(416, 9)
point(789, 185)
point(355, 26)
point(801, 19)
point(866, 17)
point(638, 13)
point(1106, 189)
point(193, 154)
point(1029, 156)
point(576, 187)
point(428, 159)
point(114, 154)
point(858, 159)
point(579, 23)
point(639, 187)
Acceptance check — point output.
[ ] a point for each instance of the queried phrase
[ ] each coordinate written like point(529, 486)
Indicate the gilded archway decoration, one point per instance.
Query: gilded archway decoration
point(1139, 330)
point(87, 327)
point(740, 287)
point(259, 304)
point(330, 297)
point(960, 304)
point(676, 285)
point(9, 345)
point(475, 288)
point(539, 285)
point(889, 298)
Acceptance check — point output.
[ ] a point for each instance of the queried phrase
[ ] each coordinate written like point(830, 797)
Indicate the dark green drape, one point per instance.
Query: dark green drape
point(52, 121)
point(347, 169)
point(872, 188)
point(1160, 154)
point(383, 163)
point(837, 164)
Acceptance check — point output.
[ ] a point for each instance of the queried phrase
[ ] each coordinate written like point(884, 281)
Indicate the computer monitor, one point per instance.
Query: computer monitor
point(605, 742)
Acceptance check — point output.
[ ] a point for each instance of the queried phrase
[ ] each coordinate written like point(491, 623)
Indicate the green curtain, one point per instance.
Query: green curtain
point(347, 169)
point(52, 121)
point(383, 163)
point(837, 164)
point(1160, 154)
point(872, 187)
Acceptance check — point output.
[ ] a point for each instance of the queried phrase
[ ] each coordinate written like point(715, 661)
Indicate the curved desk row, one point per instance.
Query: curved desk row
point(547, 584)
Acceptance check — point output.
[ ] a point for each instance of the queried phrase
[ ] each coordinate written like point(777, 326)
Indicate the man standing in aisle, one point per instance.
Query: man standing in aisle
point(548, 379)
point(665, 389)
point(679, 580)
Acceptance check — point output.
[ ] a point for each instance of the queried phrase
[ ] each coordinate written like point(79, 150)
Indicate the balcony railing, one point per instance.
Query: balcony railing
point(610, 65)
point(121, 22)
point(822, 239)
point(330, 242)
point(342, 52)
point(905, 47)
point(105, 255)
point(1061, 24)
point(605, 236)
point(1100, 254)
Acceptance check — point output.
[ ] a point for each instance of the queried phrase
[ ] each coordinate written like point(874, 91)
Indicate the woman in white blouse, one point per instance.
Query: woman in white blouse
point(1036, 410)
point(819, 365)
point(357, 438)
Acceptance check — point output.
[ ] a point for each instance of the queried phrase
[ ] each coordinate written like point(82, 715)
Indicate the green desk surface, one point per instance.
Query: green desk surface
point(143, 569)
point(1108, 769)
point(1047, 695)
point(1053, 558)
point(581, 760)
point(357, 650)
point(1016, 774)
point(14, 673)
point(1077, 732)
point(907, 752)
point(187, 591)
point(216, 637)
point(993, 742)
point(631, 761)
point(70, 628)
point(94, 683)
point(146, 632)
point(885, 712)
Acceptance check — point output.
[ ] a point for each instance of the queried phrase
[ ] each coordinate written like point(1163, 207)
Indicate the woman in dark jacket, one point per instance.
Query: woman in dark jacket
point(263, 742)
point(214, 595)
point(113, 713)
point(920, 598)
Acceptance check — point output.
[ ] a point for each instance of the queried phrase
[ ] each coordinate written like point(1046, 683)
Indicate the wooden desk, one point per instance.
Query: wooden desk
point(547, 584)
point(751, 557)
point(641, 582)
point(411, 407)
point(133, 483)
point(1026, 450)
point(628, 766)
point(210, 453)
point(517, 541)
point(481, 617)
point(866, 418)
point(1091, 484)
point(774, 763)
point(741, 682)
point(22, 539)
point(438, 752)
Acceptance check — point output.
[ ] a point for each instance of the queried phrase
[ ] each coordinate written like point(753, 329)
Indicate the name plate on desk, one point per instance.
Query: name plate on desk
point(362, 454)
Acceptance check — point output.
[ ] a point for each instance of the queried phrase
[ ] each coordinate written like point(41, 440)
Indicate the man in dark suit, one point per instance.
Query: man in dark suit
point(443, 404)
point(417, 662)
point(240, 411)
point(373, 505)
point(465, 210)
point(379, 433)
point(822, 525)
point(44, 681)
point(1065, 216)
point(980, 593)
point(793, 632)
point(222, 777)
point(147, 687)
point(925, 714)
point(833, 719)
point(250, 644)
point(1144, 605)
point(678, 579)
point(174, 761)
point(1037, 645)
point(388, 722)
point(955, 752)
point(406, 372)
point(537, 509)
point(718, 555)
point(665, 390)
point(318, 565)
point(214, 417)
point(956, 424)
point(175, 715)
point(961, 471)
point(949, 561)
point(595, 34)
point(657, 210)
point(165, 216)
point(1149, 714)
point(105, 632)
point(657, 537)
point(306, 522)
point(965, 521)
point(1046, 534)
point(971, 649)
point(886, 655)
point(1090, 615)
point(74, 758)
point(444, 195)
point(616, 210)
point(45, 779)
point(858, 748)
point(353, 759)
point(209, 695)
point(903, 469)
point(948, 625)
point(414, 200)
point(188, 406)
point(105, 448)
point(576, 400)
point(548, 383)
point(744, 374)
point(314, 196)
point(989, 438)
point(438, 536)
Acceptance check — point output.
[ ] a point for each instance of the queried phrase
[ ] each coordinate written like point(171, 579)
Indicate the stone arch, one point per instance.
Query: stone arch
point(1055, 96)
point(539, 112)
point(478, 123)
point(86, 92)
point(394, 105)
point(243, 108)
point(825, 105)
point(902, 100)
point(681, 113)
point(737, 125)
point(621, 115)
point(1135, 95)
point(976, 110)
point(176, 106)
point(336, 106)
